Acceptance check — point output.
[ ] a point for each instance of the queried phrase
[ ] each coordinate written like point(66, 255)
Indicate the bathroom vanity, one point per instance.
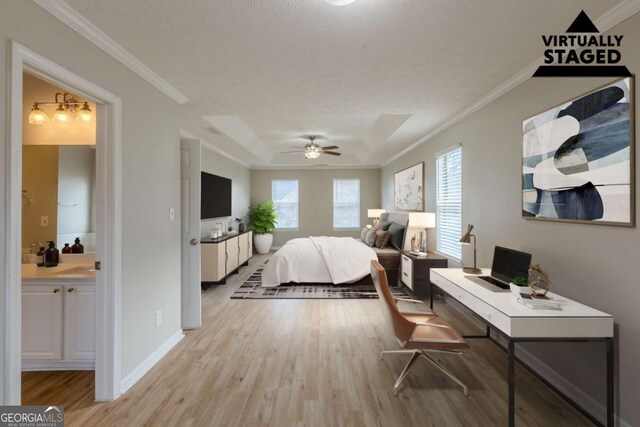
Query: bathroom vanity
point(58, 317)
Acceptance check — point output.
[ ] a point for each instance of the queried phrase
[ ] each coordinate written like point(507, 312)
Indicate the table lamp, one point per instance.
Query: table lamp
point(422, 220)
point(466, 240)
point(375, 214)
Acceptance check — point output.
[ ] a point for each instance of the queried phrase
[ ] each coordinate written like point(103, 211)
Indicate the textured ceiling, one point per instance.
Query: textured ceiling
point(373, 77)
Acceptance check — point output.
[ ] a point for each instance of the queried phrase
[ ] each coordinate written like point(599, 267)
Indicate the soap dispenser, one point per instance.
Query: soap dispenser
point(40, 257)
point(66, 249)
point(51, 255)
point(77, 248)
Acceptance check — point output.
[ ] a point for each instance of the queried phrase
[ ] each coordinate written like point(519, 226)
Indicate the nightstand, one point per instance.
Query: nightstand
point(414, 272)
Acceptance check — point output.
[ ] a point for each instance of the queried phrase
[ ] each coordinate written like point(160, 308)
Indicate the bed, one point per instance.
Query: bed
point(337, 260)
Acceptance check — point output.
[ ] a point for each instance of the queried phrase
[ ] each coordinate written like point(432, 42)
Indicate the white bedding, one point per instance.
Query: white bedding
point(319, 260)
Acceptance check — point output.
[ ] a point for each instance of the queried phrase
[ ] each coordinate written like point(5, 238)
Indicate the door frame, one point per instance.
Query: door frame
point(108, 222)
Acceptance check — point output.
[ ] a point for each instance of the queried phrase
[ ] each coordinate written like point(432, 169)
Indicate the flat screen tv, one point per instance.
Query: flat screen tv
point(215, 200)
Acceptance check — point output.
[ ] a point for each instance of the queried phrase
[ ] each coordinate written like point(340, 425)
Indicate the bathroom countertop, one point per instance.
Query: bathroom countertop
point(66, 272)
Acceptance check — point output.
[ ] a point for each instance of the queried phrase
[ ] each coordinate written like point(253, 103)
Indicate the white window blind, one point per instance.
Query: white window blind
point(346, 203)
point(284, 194)
point(449, 202)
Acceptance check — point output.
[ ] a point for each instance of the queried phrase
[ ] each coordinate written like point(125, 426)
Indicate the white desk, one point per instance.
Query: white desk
point(501, 312)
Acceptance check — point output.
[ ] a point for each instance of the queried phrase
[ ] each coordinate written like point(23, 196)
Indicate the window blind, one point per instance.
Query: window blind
point(449, 202)
point(284, 194)
point(346, 203)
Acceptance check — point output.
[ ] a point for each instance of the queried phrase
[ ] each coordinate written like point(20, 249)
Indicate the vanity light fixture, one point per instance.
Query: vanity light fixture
point(67, 106)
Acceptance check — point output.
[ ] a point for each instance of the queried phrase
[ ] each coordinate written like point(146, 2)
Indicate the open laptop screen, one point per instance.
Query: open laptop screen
point(508, 263)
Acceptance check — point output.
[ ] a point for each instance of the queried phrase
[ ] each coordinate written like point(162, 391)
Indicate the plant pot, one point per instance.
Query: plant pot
point(517, 290)
point(263, 242)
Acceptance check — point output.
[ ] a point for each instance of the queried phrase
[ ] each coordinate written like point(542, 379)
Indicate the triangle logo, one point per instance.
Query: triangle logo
point(582, 24)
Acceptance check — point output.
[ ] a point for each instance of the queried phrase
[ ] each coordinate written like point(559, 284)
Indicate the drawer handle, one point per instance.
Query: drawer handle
point(70, 290)
point(405, 273)
point(55, 291)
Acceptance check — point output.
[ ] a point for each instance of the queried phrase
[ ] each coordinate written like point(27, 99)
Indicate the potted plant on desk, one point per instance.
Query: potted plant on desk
point(518, 285)
point(263, 223)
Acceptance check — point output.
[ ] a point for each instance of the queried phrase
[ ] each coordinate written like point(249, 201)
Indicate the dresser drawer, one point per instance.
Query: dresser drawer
point(407, 271)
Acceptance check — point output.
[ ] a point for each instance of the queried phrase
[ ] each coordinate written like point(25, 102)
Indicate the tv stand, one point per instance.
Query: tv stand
point(223, 256)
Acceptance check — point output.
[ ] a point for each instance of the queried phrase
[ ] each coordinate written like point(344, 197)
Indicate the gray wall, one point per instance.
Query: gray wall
point(595, 265)
point(316, 198)
point(151, 174)
point(240, 177)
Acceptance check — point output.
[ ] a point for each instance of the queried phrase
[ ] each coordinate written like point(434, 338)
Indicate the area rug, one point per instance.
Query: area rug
point(252, 289)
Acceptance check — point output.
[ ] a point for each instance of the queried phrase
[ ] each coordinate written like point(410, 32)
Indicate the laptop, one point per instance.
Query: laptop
point(507, 264)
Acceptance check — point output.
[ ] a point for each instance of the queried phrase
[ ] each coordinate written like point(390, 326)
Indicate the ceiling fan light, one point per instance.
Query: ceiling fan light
point(312, 154)
point(61, 116)
point(37, 116)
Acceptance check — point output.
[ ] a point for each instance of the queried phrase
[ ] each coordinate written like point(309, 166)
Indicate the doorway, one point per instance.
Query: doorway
point(108, 223)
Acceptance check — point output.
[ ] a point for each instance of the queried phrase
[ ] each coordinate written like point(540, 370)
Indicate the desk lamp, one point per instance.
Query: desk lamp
point(466, 240)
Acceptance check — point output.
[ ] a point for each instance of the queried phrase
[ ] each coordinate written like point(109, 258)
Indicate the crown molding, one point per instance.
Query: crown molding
point(186, 134)
point(88, 30)
point(608, 20)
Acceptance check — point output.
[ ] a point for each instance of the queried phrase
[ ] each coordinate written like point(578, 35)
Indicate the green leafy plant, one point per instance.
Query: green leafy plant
point(520, 281)
point(262, 218)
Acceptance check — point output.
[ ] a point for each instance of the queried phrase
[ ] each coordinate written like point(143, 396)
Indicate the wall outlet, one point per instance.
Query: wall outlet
point(158, 317)
point(172, 214)
point(44, 221)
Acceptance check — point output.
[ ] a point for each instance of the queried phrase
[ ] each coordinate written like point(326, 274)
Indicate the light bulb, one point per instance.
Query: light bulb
point(312, 154)
point(37, 116)
point(61, 116)
point(85, 114)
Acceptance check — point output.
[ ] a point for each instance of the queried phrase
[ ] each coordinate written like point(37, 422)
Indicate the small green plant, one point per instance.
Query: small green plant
point(520, 281)
point(262, 218)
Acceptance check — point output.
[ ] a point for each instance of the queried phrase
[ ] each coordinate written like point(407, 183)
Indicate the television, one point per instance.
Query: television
point(215, 200)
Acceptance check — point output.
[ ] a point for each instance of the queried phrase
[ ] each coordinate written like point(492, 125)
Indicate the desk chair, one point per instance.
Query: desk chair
point(417, 333)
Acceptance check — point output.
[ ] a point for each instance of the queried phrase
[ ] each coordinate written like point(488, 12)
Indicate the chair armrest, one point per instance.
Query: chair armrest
point(435, 325)
point(410, 300)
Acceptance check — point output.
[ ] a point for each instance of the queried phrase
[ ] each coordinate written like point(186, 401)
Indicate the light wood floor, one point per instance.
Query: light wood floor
point(307, 363)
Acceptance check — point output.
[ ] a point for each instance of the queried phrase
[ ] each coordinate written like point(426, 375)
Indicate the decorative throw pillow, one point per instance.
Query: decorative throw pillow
point(363, 233)
point(384, 224)
point(370, 238)
point(396, 236)
point(382, 238)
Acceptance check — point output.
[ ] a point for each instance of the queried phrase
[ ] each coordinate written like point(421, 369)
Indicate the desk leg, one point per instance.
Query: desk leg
point(511, 382)
point(431, 295)
point(610, 390)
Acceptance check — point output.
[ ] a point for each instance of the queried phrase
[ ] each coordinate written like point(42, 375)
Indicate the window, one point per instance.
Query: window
point(284, 194)
point(346, 203)
point(449, 202)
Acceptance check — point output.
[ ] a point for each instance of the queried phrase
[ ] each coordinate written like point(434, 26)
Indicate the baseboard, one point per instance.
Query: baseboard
point(582, 399)
point(150, 361)
point(57, 365)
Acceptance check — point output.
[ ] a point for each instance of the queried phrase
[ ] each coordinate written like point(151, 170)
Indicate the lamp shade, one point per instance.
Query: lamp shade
point(466, 237)
point(422, 220)
point(375, 213)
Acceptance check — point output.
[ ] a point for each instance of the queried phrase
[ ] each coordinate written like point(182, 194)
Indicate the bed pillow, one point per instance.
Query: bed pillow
point(370, 238)
point(384, 224)
point(382, 238)
point(396, 236)
point(363, 233)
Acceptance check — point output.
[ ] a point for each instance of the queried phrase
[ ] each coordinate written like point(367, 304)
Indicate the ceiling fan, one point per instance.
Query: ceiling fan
point(312, 150)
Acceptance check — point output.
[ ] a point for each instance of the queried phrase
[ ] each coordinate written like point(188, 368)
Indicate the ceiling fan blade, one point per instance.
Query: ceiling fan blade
point(289, 152)
point(331, 147)
point(332, 153)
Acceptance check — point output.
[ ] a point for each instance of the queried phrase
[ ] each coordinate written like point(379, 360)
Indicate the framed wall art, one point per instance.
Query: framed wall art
point(409, 188)
point(578, 159)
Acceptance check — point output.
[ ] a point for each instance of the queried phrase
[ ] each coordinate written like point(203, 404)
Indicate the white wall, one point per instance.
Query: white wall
point(151, 174)
point(240, 177)
point(595, 265)
point(315, 198)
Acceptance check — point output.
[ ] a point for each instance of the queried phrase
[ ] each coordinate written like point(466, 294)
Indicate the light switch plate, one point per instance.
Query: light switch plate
point(158, 317)
point(172, 214)
point(44, 221)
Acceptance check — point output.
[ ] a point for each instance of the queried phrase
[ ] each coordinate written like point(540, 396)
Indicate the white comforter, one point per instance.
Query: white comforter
point(319, 260)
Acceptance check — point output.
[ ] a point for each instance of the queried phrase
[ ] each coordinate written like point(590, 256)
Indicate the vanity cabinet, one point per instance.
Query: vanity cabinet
point(224, 256)
point(58, 326)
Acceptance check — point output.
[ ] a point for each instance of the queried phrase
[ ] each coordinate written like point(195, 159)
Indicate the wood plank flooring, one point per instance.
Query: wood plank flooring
point(304, 363)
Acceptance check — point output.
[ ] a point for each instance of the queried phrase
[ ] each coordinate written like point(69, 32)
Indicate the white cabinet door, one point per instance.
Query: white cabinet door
point(42, 326)
point(232, 254)
point(243, 247)
point(213, 262)
point(80, 322)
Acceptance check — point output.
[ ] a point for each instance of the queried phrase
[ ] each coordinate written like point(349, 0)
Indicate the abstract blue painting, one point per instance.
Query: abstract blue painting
point(577, 159)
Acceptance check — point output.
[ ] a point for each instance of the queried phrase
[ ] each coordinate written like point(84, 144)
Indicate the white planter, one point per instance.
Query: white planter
point(517, 290)
point(263, 242)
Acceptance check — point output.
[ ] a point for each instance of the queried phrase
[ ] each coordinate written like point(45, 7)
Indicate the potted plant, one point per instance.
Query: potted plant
point(517, 285)
point(263, 222)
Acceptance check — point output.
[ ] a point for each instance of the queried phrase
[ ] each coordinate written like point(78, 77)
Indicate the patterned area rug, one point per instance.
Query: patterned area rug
point(252, 289)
